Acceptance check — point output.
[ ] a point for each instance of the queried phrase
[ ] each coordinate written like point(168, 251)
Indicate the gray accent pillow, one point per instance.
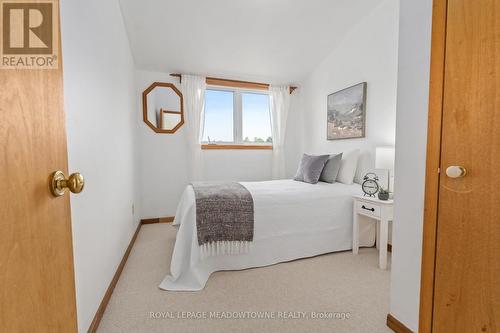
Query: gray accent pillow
point(310, 168)
point(331, 169)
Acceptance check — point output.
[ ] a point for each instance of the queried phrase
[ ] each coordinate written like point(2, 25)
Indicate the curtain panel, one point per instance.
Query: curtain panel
point(193, 91)
point(279, 103)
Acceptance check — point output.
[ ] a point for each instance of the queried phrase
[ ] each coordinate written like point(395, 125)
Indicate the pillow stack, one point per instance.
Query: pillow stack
point(328, 168)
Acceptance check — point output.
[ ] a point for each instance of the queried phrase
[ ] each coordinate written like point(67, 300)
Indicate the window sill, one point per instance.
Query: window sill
point(248, 147)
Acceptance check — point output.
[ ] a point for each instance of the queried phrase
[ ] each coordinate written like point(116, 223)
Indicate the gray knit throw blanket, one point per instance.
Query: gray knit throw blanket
point(224, 217)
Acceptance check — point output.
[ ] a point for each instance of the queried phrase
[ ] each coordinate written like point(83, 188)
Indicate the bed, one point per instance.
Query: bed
point(292, 220)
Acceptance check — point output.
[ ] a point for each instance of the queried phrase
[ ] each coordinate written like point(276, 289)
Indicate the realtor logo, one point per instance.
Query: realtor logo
point(29, 38)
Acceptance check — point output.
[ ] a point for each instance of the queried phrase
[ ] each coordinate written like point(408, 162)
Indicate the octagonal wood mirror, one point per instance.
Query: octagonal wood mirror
point(162, 107)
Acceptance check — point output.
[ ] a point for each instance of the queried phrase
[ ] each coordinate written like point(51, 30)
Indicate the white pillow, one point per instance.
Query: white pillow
point(348, 167)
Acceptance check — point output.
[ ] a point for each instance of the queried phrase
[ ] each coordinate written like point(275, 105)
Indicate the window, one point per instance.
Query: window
point(237, 117)
point(218, 116)
point(256, 120)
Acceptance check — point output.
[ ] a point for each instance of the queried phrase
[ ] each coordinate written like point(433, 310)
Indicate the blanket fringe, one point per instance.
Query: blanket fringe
point(224, 247)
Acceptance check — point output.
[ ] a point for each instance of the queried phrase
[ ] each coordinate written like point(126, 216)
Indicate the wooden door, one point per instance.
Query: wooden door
point(37, 292)
point(467, 267)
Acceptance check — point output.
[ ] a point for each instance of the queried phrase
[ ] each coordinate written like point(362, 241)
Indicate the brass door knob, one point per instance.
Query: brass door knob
point(59, 184)
point(456, 171)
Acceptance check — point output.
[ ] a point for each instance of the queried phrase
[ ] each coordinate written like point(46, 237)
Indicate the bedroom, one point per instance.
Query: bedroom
point(257, 166)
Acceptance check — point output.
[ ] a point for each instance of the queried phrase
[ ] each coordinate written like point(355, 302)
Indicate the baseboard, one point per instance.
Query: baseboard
point(102, 307)
point(396, 325)
point(166, 219)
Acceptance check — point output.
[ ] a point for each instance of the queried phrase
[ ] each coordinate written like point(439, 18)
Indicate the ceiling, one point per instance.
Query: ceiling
point(279, 41)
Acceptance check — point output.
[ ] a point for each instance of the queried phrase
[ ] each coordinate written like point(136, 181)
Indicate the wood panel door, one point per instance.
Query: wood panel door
point(37, 292)
point(467, 266)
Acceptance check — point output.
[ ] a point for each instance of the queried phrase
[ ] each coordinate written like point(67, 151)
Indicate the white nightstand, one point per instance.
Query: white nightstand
point(377, 210)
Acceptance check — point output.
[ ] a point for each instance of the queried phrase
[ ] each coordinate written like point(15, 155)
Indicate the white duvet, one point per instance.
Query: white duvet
point(292, 220)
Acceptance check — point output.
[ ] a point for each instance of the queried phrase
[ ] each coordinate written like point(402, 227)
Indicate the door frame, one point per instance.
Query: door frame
point(432, 171)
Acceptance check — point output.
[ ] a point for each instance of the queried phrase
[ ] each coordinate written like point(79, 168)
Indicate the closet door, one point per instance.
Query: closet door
point(467, 271)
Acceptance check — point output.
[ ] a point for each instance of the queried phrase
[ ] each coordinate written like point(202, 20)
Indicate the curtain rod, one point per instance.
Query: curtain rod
point(235, 83)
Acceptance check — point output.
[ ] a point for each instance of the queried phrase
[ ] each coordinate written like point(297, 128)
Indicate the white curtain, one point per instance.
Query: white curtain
point(279, 103)
point(193, 91)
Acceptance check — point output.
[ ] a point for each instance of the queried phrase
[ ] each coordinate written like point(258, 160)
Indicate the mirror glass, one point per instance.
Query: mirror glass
point(163, 111)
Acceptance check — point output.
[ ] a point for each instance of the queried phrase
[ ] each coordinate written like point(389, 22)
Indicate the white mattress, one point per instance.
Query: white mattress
point(292, 220)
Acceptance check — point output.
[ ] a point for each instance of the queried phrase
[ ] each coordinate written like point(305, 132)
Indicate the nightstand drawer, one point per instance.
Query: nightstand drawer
point(368, 209)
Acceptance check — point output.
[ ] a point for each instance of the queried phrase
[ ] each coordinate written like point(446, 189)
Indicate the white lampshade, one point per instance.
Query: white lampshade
point(384, 159)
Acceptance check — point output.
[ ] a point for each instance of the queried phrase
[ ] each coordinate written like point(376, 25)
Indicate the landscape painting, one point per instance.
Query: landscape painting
point(346, 113)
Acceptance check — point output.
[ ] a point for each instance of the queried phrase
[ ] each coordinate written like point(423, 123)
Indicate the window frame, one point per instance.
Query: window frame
point(238, 142)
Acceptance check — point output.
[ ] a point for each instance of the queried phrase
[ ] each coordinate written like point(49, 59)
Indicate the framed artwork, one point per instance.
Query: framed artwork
point(346, 113)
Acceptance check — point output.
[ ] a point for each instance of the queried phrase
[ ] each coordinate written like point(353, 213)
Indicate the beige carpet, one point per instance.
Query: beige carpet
point(337, 284)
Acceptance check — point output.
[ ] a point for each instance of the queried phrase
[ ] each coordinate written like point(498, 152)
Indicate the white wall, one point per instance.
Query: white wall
point(100, 105)
point(162, 169)
point(411, 138)
point(367, 53)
